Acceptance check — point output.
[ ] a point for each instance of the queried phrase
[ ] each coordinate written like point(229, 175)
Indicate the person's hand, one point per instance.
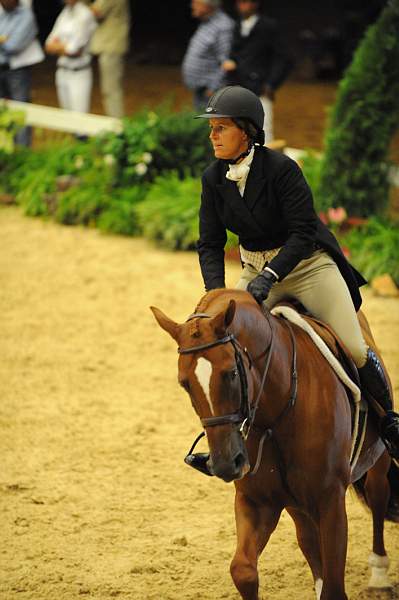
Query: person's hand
point(55, 46)
point(97, 12)
point(261, 285)
point(229, 65)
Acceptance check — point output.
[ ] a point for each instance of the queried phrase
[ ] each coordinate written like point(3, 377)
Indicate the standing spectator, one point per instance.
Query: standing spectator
point(256, 60)
point(19, 50)
point(111, 42)
point(69, 40)
point(208, 49)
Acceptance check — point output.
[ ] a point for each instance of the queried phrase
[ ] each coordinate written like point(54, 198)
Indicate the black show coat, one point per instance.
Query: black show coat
point(276, 210)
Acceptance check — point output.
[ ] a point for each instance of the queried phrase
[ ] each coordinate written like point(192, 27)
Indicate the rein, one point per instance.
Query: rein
point(245, 416)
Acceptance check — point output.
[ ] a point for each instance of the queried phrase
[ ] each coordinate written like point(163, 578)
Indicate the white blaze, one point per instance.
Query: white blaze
point(318, 587)
point(203, 371)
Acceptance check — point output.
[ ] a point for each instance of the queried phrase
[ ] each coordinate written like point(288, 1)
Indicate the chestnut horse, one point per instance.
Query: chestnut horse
point(278, 423)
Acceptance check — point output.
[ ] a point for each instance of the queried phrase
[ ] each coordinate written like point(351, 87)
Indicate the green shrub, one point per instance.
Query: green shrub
point(183, 145)
point(12, 167)
point(120, 216)
point(10, 122)
point(131, 150)
point(36, 187)
point(154, 143)
point(32, 175)
point(108, 178)
point(84, 202)
point(169, 213)
point(374, 248)
point(311, 166)
point(362, 122)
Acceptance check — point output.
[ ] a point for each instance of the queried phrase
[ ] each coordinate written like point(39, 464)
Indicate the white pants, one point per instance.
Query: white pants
point(74, 88)
point(268, 121)
point(318, 284)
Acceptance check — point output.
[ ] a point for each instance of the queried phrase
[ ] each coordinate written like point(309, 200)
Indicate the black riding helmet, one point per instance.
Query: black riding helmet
point(236, 102)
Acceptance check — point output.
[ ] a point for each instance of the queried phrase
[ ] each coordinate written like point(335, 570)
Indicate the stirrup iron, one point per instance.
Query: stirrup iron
point(198, 460)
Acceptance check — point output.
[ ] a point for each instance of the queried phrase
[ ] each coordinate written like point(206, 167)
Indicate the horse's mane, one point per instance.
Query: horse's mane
point(210, 298)
point(194, 324)
point(207, 299)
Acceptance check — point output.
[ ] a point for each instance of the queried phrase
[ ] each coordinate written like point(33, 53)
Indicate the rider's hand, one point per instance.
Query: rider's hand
point(261, 285)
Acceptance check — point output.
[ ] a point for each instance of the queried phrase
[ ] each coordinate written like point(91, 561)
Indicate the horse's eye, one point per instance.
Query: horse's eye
point(234, 373)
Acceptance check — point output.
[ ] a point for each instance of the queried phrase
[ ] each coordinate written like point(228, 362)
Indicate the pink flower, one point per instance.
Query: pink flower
point(323, 218)
point(356, 221)
point(346, 251)
point(337, 215)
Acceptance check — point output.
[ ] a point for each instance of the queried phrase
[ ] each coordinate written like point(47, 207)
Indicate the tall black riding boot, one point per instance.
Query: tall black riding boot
point(374, 382)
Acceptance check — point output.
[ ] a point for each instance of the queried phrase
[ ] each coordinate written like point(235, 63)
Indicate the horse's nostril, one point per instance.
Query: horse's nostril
point(239, 461)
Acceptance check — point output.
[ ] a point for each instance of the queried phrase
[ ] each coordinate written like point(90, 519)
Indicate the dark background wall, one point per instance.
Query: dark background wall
point(160, 30)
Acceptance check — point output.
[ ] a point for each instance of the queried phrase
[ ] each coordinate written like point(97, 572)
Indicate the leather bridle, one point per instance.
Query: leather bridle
point(245, 416)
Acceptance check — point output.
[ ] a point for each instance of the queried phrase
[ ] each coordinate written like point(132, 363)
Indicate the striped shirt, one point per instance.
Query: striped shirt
point(208, 48)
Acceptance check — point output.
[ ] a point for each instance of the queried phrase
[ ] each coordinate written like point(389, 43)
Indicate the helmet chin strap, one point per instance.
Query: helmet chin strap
point(233, 161)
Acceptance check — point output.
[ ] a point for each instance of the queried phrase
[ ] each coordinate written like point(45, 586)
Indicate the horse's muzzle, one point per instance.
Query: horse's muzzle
point(232, 469)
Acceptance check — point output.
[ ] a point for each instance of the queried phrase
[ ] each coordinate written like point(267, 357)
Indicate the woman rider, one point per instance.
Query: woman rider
point(262, 196)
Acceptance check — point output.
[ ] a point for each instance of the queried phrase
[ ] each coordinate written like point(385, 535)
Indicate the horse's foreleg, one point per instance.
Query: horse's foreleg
point(377, 492)
point(254, 525)
point(308, 537)
point(334, 540)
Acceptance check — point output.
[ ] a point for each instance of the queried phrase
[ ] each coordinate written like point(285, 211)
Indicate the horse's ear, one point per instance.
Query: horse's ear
point(167, 324)
point(222, 320)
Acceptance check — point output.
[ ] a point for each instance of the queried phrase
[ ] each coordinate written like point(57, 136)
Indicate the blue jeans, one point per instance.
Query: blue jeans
point(15, 84)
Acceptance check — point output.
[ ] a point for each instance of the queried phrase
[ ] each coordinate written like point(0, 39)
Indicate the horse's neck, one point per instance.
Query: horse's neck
point(265, 334)
point(253, 330)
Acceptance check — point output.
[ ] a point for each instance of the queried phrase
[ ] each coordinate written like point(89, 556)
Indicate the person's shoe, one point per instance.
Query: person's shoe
point(390, 433)
point(199, 461)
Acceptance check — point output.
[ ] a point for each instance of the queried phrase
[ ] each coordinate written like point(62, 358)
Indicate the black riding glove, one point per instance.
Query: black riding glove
point(261, 285)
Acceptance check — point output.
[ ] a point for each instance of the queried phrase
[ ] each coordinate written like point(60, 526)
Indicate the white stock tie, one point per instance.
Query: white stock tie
point(238, 172)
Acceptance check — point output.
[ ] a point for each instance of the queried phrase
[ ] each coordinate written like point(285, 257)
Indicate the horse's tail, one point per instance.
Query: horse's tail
point(392, 513)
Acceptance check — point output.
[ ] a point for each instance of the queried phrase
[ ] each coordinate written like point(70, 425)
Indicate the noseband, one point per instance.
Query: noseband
point(245, 415)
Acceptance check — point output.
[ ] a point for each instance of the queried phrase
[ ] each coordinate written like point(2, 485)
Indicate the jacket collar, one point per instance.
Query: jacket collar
point(253, 189)
point(255, 181)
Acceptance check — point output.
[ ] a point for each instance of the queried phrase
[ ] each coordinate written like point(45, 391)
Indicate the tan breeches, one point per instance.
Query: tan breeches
point(318, 284)
point(111, 83)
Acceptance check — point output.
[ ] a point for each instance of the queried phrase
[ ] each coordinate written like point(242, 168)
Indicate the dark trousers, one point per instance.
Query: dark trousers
point(200, 99)
point(15, 84)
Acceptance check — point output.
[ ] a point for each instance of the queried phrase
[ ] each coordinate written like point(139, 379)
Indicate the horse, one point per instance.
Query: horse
point(278, 423)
